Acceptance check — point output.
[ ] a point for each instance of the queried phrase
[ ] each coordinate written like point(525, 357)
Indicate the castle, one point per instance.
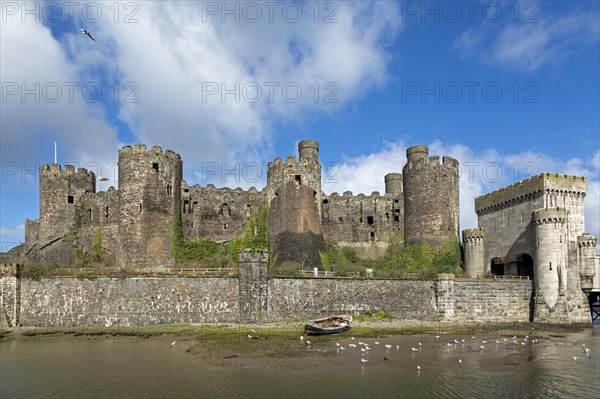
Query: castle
point(532, 228)
point(134, 222)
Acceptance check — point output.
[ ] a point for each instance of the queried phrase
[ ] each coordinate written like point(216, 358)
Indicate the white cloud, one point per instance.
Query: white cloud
point(529, 46)
point(174, 59)
point(173, 53)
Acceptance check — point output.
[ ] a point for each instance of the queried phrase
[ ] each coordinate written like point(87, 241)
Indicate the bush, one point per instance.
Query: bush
point(34, 271)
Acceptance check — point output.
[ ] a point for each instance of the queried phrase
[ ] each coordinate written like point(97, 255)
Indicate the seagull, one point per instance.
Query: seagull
point(419, 368)
point(173, 343)
point(388, 346)
point(364, 360)
point(460, 362)
point(414, 349)
point(88, 34)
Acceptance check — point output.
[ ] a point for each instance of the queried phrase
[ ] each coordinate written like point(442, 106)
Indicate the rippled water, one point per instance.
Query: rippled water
point(154, 369)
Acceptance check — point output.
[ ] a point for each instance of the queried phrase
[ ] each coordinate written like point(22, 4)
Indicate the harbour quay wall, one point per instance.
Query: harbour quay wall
point(160, 300)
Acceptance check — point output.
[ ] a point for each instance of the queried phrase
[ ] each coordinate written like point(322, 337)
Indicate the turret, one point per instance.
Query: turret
point(149, 195)
point(393, 184)
point(431, 208)
point(474, 249)
point(308, 150)
point(551, 259)
point(586, 246)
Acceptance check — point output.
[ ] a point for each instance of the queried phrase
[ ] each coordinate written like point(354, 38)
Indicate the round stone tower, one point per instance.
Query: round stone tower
point(294, 196)
point(431, 208)
point(149, 195)
point(474, 252)
point(586, 246)
point(309, 150)
point(550, 278)
point(60, 195)
point(393, 184)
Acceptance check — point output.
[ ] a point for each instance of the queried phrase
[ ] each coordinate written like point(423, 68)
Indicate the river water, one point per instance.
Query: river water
point(541, 366)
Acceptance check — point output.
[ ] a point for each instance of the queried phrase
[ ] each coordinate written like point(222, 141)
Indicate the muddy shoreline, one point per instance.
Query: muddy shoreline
point(283, 345)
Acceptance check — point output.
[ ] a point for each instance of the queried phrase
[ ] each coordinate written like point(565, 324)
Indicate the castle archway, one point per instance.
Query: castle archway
point(525, 265)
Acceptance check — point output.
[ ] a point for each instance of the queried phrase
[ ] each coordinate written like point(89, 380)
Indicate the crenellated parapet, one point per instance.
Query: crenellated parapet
point(527, 190)
point(549, 216)
point(473, 235)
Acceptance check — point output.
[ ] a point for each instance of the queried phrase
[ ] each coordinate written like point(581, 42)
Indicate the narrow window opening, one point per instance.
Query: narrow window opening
point(155, 166)
point(387, 215)
point(70, 199)
point(372, 236)
point(140, 209)
point(90, 214)
point(224, 226)
point(370, 220)
point(106, 211)
point(298, 179)
point(396, 218)
point(341, 220)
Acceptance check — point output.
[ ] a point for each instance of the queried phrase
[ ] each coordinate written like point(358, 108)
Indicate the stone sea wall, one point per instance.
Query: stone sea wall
point(139, 301)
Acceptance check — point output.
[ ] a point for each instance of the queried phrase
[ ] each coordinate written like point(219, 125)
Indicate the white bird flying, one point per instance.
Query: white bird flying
point(173, 343)
point(88, 34)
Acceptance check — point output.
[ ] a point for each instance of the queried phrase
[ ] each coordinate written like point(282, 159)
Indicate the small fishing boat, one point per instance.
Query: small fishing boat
point(328, 325)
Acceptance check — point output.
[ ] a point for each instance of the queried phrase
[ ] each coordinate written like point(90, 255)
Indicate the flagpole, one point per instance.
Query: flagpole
point(55, 152)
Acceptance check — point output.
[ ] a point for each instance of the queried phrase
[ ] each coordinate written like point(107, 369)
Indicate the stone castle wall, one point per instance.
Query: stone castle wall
point(363, 222)
point(218, 214)
point(138, 301)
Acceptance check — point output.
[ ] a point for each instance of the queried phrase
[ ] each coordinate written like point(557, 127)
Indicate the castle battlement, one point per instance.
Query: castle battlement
point(532, 186)
point(473, 235)
point(142, 149)
point(549, 215)
point(55, 170)
point(587, 240)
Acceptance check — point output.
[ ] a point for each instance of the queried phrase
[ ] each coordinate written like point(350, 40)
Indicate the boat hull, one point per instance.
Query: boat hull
point(328, 325)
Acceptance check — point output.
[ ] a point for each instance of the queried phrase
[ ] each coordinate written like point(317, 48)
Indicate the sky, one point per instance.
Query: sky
point(510, 89)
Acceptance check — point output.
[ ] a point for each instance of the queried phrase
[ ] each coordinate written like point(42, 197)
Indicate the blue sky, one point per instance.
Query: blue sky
point(510, 89)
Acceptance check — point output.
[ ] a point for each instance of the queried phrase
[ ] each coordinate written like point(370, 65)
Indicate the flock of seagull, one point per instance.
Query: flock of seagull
point(515, 342)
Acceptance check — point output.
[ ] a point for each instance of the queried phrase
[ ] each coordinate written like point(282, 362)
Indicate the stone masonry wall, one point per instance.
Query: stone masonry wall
point(136, 301)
